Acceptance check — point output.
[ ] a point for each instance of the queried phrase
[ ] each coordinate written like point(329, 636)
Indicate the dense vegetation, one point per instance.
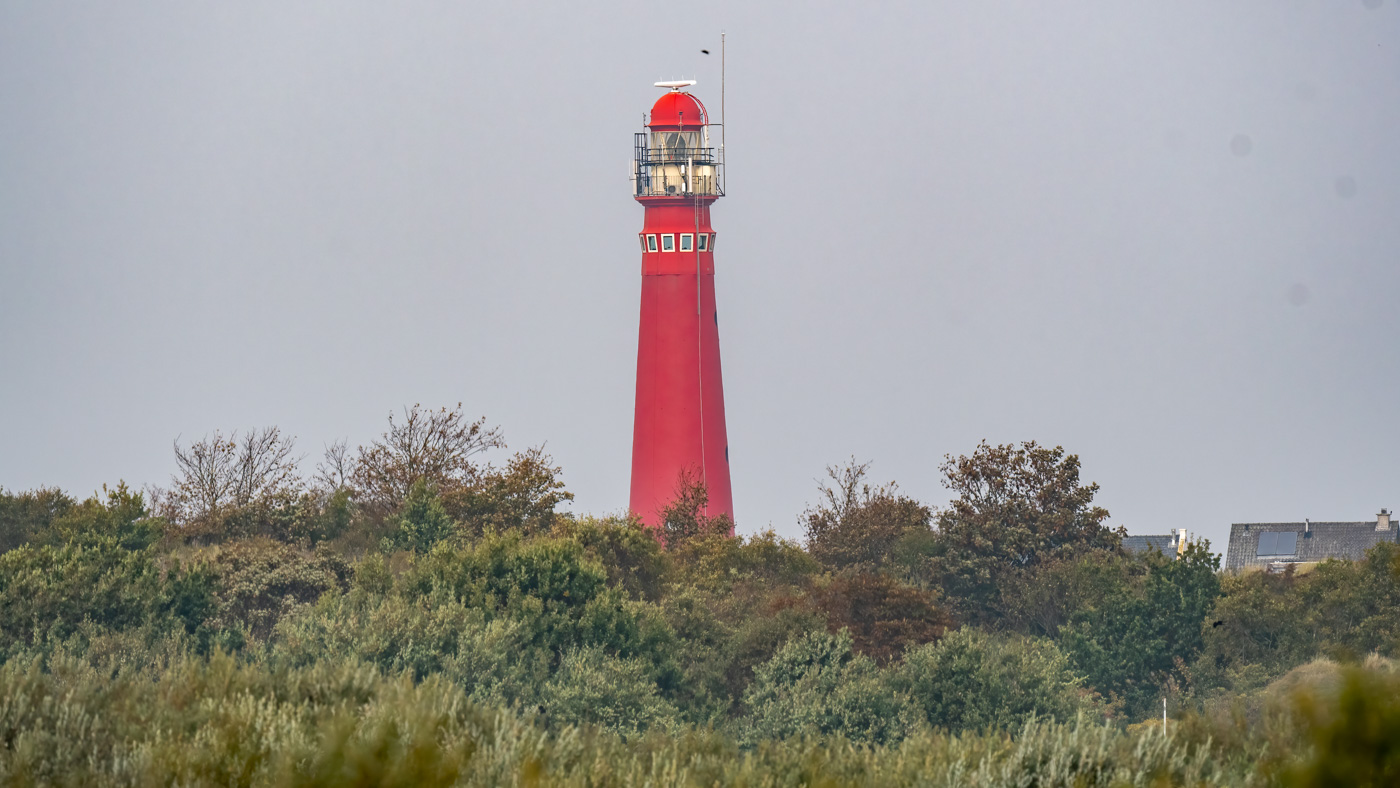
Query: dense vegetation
point(412, 614)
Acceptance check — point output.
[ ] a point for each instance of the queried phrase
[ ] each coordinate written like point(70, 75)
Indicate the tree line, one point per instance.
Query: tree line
point(418, 558)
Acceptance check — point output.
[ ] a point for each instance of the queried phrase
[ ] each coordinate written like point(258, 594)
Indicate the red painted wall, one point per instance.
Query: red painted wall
point(680, 392)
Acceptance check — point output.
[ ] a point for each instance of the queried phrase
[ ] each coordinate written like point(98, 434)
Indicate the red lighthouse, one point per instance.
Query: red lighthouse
point(679, 429)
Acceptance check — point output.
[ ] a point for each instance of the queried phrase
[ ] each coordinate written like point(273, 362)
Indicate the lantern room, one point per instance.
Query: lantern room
point(673, 158)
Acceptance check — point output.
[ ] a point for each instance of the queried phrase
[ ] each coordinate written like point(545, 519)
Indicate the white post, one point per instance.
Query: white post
point(1164, 716)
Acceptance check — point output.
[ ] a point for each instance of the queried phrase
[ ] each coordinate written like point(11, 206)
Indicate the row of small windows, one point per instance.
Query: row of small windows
point(667, 242)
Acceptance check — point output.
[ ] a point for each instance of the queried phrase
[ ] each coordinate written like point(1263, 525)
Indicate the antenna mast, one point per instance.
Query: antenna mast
point(724, 170)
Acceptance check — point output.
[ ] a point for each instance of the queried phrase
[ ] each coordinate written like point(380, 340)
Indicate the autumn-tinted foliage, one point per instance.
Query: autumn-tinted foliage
point(859, 527)
point(1016, 507)
point(883, 615)
point(414, 613)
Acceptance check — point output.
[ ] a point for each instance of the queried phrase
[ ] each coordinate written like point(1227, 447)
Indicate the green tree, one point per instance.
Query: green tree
point(422, 521)
point(334, 515)
point(686, 518)
point(705, 651)
point(23, 515)
point(1352, 604)
point(523, 495)
point(1266, 624)
point(882, 615)
point(118, 516)
point(1016, 507)
point(750, 588)
point(627, 550)
point(432, 446)
point(1040, 600)
point(1133, 643)
point(1263, 631)
point(856, 526)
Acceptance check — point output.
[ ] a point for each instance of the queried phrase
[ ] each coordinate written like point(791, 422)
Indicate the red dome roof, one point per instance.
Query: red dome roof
point(678, 109)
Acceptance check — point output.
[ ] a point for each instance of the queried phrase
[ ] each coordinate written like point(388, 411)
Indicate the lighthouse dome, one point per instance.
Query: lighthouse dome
point(677, 109)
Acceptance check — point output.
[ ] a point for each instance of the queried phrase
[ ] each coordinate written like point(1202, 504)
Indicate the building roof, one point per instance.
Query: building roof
point(1313, 542)
point(1141, 543)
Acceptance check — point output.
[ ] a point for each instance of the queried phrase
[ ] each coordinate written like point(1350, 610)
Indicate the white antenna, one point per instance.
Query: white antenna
point(676, 84)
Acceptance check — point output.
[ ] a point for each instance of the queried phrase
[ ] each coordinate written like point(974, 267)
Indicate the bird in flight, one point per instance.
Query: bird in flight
point(706, 51)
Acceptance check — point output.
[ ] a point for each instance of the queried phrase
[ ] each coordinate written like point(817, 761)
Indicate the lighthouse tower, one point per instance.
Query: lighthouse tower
point(679, 430)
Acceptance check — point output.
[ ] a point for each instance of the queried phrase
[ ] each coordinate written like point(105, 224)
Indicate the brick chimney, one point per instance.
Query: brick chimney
point(1383, 520)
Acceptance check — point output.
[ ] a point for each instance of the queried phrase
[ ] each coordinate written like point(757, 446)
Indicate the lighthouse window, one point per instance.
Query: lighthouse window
point(668, 243)
point(651, 243)
point(703, 238)
point(686, 241)
point(643, 239)
point(712, 241)
point(675, 146)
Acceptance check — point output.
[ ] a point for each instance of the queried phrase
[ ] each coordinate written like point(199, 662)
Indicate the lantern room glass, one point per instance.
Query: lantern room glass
point(675, 146)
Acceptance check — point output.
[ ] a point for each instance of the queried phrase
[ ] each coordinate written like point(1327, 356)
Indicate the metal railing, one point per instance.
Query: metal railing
point(675, 172)
point(677, 156)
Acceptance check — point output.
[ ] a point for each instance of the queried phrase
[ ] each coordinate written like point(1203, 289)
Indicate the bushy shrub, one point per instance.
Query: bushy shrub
point(743, 567)
point(215, 722)
point(972, 680)
point(259, 581)
point(48, 592)
point(705, 653)
point(1354, 731)
point(23, 515)
point(596, 688)
point(490, 660)
point(549, 585)
point(499, 618)
point(817, 684)
point(627, 550)
point(119, 517)
point(534, 647)
point(1263, 625)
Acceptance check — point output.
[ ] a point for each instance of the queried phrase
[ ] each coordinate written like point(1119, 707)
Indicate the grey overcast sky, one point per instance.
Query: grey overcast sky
point(1164, 235)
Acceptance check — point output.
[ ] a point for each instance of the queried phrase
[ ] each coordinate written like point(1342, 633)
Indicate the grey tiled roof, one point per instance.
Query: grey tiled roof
point(1142, 543)
point(1315, 542)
